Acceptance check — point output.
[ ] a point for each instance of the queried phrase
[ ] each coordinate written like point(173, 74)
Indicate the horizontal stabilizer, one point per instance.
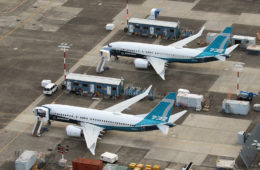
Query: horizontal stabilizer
point(175, 117)
point(163, 128)
point(230, 49)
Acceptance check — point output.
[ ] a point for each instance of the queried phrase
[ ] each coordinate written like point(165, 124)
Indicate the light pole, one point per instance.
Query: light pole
point(238, 67)
point(64, 47)
point(127, 13)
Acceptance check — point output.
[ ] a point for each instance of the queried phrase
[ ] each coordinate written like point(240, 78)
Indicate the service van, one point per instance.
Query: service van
point(50, 88)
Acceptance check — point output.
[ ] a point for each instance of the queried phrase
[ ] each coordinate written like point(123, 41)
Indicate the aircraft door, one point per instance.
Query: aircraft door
point(109, 90)
point(131, 28)
point(92, 88)
point(42, 112)
point(151, 30)
point(69, 85)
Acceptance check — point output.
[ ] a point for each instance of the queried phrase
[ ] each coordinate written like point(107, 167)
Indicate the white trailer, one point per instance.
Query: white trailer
point(109, 157)
point(235, 106)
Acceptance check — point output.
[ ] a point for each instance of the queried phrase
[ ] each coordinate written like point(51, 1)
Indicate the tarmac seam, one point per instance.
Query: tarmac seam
point(11, 141)
point(26, 21)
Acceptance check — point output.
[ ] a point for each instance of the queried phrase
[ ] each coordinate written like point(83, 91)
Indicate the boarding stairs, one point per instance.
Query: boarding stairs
point(102, 60)
point(37, 127)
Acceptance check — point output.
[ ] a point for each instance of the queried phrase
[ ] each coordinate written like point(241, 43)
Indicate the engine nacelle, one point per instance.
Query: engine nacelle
point(73, 131)
point(141, 63)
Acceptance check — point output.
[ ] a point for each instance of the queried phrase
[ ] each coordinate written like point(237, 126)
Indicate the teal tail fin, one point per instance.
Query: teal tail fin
point(219, 45)
point(163, 110)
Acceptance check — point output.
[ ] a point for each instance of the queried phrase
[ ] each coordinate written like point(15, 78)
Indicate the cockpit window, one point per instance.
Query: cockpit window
point(109, 45)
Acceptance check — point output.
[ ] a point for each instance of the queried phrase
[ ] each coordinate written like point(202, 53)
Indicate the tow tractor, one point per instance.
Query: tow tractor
point(248, 96)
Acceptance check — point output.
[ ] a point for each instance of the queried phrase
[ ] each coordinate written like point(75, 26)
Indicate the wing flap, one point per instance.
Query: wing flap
point(187, 40)
point(91, 133)
point(125, 104)
point(158, 65)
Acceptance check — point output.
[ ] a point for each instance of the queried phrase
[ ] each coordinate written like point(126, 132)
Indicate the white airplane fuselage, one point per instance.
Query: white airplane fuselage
point(101, 118)
point(168, 53)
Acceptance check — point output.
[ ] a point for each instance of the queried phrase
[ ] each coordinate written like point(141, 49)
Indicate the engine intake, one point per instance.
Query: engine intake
point(141, 63)
point(73, 131)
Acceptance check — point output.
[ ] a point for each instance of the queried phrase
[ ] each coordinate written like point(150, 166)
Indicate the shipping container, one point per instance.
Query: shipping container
point(85, 163)
point(26, 160)
point(189, 100)
point(235, 106)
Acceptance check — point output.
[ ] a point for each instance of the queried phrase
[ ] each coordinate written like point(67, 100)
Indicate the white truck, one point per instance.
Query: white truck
point(109, 157)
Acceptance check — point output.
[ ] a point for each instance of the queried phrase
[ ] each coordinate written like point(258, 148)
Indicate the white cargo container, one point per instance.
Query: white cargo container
point(235, 106)
point(257, 107)
point(189, 100)
point(26, 160)
point(183, 91)
point(109, 157)
point(45, 83)
point(211, 37)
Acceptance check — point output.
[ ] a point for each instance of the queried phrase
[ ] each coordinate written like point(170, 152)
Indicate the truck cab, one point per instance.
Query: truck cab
point(50, 88)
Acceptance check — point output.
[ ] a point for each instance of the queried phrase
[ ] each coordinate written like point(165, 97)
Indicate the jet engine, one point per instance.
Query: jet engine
point(141, 63)
point(73, 131)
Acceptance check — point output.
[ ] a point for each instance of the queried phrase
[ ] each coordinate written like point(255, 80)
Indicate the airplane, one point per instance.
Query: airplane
point(158, 55)
point(93, 122)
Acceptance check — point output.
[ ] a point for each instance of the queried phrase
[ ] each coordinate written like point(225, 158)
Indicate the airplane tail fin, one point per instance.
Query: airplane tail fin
point(219, 45)
point(162, 111)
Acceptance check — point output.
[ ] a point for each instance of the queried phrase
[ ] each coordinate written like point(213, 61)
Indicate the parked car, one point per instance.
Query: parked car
point(50, 88)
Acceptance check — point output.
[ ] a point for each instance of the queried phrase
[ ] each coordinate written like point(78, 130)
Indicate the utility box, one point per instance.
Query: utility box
point(241, 137)
point(189, 100)
point(109, 157)
point(235, 106)
point(26, 160)
point(244, 41)
point(253, 49)
point(257, 107)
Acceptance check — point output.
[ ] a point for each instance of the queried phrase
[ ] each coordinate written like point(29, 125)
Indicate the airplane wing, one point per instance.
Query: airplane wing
point(91, 133)
point(158, 65)
point(185, 41)
point(125, 104)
